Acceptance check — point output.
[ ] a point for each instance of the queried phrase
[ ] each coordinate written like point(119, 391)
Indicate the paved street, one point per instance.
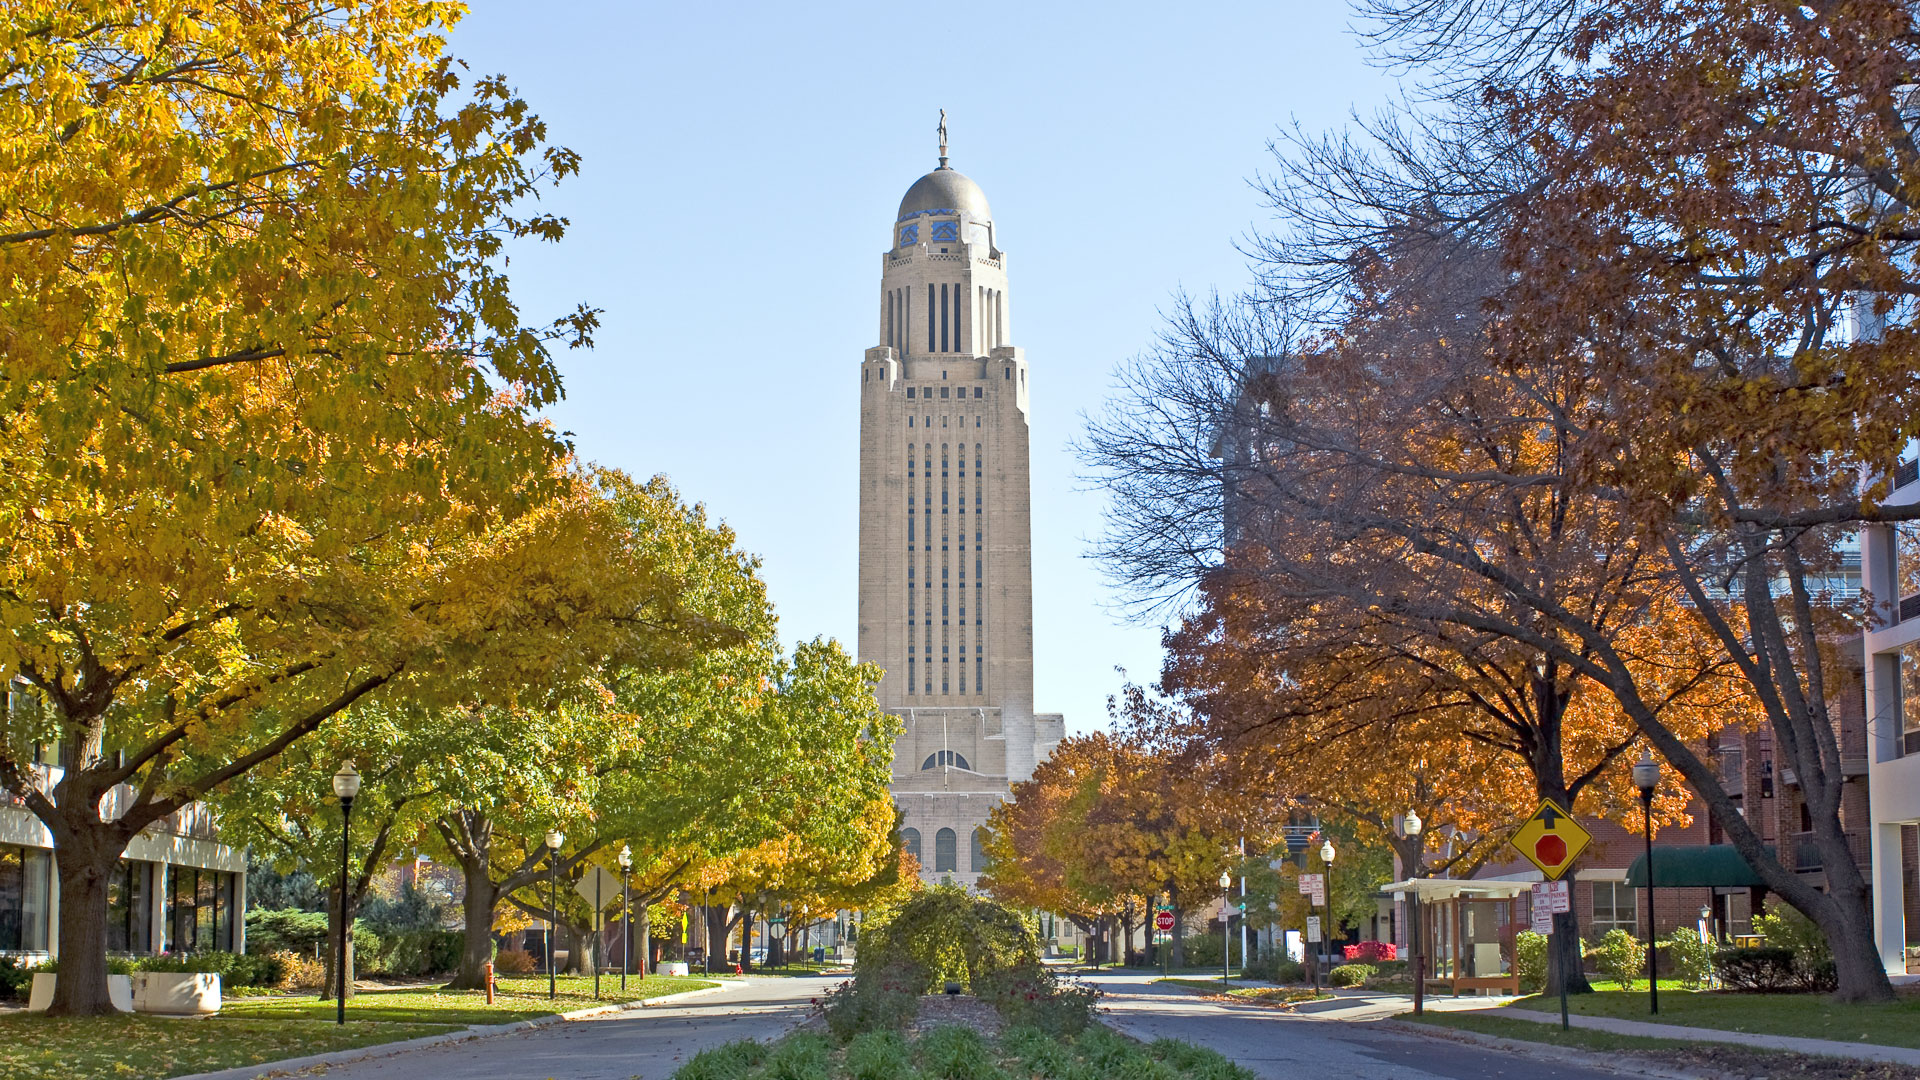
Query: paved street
point(646, 1044)
point(1329, 1041)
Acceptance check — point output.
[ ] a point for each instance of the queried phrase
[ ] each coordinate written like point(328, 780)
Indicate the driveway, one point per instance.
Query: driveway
point(640, 1044)
point(1333, 1040)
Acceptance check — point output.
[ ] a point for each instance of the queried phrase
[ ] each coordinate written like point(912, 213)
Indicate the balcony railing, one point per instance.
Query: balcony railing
point(1808, 856)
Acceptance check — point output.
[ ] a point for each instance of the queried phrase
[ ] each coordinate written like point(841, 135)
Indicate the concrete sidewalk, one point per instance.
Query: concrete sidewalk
point(1898, 1055)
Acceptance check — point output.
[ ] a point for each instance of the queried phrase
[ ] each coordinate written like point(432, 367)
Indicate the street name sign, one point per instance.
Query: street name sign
point(1550, 839)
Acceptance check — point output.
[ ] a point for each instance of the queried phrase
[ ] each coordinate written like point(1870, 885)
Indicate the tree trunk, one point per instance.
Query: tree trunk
point(646, 942)
point(84, 858)
point(581, 955)
point(332, 979)
point(718, 929)
point(477, 929)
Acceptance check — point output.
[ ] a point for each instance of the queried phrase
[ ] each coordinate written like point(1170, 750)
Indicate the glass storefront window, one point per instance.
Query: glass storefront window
point(1910, 697)
point(129, 912)
point(199, 909)
point(24, 876)
point(1906, 559)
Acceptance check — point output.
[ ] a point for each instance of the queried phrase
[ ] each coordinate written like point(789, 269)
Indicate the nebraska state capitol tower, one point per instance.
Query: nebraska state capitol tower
point(946, 556)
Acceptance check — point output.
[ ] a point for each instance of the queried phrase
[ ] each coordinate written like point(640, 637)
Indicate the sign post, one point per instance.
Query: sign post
point(1551, 840)
point(1314, 888)
point(593, 887)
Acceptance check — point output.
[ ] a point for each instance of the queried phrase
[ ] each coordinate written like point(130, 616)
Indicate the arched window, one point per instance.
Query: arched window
point(945, 844)
point(977, 860)
point(910, 840)
point(945, 757)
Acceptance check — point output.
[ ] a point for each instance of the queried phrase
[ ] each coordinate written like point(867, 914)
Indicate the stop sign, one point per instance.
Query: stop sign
point(1163, 921)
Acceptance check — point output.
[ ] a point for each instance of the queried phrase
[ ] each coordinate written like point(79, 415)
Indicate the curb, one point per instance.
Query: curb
point(477, 1031)
point(1591, 1059)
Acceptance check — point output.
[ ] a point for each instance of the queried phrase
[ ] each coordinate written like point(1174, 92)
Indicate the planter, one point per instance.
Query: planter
point(673, 967)
point(119, 991)
point(176, 993)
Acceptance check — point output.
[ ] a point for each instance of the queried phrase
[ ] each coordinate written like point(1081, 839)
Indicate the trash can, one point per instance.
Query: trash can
point(819, 954)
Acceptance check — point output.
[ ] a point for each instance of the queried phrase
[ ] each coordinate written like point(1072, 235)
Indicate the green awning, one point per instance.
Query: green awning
point(1695, 866)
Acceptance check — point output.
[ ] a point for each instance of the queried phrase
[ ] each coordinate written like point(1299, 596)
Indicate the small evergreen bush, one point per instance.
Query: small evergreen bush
point(1350, 974)
point(1762, 969)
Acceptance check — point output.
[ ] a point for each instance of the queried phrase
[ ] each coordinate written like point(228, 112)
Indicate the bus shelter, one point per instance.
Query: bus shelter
point(1467, 931)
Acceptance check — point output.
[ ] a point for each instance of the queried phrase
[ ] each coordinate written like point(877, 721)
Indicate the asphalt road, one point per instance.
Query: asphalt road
point(642, 1044)
point(1338, 1040)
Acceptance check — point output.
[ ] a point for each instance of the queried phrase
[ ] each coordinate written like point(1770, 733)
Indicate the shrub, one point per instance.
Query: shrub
point(1765, 968)
point(1530, 960)
point(1033, 997)
point(947, 934)
point(235, 969)
point(413, 952)
point(299, 971)
point(1371, 952)
point(285, 929)
point(1275, 967)
point(1620, 957)
point(15, 977)
point(1350, 974)
point(513, 962)
point(1690, 958)
point(1786, 928)
point(868, 1004)
point(1203, 950)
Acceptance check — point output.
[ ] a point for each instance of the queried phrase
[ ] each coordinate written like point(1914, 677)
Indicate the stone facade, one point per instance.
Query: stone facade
point(946, 564)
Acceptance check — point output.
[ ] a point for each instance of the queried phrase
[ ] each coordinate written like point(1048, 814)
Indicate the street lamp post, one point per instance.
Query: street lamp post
point(1411, 825)
point(554, 839)
point(1646, 777)
point(346, 784)
point(1226, 927)
point(626, 916)
point(1326, 932)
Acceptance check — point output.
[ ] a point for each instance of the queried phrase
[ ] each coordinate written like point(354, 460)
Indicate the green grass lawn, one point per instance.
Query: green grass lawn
point(1812, 1016)
point(1712, 1058)
point(516, 999)
point(37, 1047)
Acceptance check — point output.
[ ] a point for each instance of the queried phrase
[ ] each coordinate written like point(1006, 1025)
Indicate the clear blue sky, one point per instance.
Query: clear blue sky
point(742, 167)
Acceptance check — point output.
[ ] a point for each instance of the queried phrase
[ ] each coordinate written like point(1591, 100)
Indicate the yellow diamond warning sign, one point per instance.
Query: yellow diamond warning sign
point(1551, 839)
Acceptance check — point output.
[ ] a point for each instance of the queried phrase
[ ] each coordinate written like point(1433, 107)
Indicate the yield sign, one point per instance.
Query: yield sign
point(1550, 839)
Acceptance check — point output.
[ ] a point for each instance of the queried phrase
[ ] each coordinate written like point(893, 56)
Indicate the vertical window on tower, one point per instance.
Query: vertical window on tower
point(944, 305)
point(932, 330)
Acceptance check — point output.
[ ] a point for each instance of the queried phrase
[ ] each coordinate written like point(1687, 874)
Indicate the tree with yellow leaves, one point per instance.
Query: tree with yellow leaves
point(269, 408)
